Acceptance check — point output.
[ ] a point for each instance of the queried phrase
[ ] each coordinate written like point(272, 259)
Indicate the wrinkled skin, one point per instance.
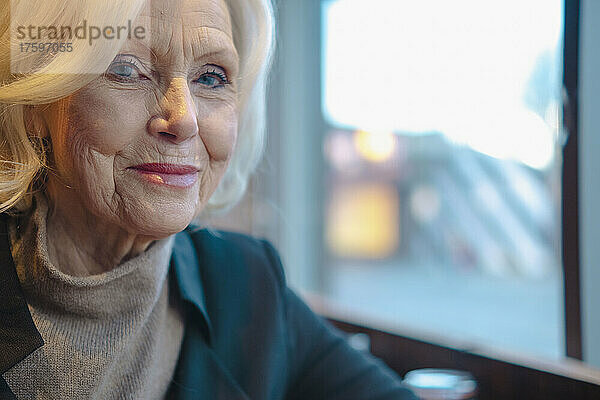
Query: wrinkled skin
point(168, 108)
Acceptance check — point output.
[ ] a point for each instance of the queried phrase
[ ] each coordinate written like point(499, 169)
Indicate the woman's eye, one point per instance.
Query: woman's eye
point(213, 79)
point(125, 71)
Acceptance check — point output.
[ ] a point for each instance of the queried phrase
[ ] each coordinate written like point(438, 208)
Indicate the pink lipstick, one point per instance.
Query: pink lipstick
point(168, 174)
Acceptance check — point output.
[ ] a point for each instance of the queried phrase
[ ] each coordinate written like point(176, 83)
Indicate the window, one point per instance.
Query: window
point(443, 167)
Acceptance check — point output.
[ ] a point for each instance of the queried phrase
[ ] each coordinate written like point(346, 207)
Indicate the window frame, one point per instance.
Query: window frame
point(570, 183)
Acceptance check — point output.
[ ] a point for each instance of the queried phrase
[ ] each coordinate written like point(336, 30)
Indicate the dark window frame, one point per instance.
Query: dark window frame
point(570, 183)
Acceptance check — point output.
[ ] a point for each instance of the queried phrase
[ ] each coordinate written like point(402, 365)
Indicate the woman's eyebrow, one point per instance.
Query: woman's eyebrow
point(152, 56)
point(219, 53)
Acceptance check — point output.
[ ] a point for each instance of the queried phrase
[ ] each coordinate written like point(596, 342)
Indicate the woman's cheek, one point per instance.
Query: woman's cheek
point(218, 132)
point(109, 119)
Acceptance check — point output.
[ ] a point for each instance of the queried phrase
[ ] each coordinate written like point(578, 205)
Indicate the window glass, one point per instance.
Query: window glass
point(442, 207)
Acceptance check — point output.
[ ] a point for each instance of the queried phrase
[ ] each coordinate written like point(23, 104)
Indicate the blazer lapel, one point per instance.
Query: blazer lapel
point(200, 373)
point(18, 335)
point(185, 267)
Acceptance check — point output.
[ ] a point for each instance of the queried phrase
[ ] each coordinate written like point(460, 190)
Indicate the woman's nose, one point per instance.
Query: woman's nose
point(178, 119)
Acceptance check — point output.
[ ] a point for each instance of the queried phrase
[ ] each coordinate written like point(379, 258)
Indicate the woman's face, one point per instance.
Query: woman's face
point(145, 145)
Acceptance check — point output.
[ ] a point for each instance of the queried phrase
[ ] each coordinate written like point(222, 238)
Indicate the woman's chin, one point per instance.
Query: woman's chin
point(158, 220)
point(161, 225)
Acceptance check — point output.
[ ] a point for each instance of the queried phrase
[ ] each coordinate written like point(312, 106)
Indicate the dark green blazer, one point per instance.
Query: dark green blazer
point(247, 335)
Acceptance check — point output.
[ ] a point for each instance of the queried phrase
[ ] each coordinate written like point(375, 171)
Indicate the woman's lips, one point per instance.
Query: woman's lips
point(168, 174)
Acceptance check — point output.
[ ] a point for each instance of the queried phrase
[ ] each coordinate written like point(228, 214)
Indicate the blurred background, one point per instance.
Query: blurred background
point(412, 176)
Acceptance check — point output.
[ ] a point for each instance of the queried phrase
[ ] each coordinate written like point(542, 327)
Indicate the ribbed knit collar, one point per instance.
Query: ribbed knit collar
point(131, 288)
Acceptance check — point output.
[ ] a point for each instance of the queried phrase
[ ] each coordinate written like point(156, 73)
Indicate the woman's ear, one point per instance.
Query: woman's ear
point(35, 124)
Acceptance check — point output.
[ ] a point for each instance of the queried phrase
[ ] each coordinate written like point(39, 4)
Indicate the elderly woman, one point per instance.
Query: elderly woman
point(128, 124)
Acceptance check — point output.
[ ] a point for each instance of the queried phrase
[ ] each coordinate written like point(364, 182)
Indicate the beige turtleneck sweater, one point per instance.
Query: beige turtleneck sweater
point(116, 335)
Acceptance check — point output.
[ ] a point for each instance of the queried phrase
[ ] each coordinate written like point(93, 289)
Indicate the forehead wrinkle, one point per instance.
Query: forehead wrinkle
point(195, 40)
point(211, 44)
point(209, 19)
point(162, 23)
point(215, 14)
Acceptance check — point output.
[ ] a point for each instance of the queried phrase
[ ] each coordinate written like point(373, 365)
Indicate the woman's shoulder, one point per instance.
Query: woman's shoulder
point(226, 253)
